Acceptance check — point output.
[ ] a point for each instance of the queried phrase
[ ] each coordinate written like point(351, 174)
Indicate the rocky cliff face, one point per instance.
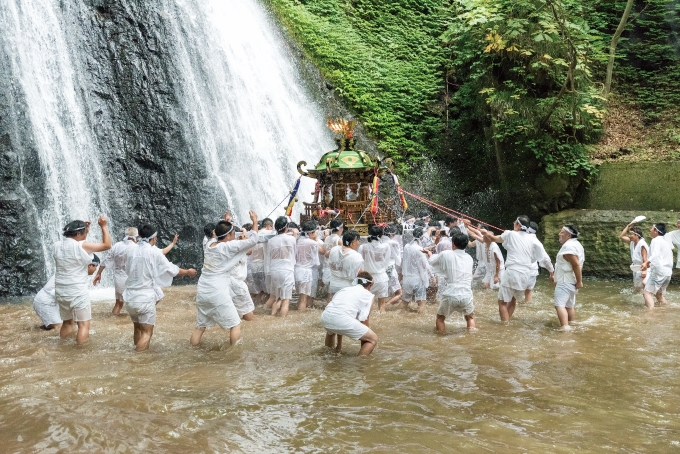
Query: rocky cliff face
point(606, 254)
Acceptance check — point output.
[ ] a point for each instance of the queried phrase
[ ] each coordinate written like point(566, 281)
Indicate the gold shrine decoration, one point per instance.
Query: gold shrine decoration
point(342, 127)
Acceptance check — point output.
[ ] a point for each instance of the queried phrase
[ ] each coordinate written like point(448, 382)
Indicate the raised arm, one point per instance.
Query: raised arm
point(624, 233)
point(169, 247)
point(491, 236)
point(105, 245)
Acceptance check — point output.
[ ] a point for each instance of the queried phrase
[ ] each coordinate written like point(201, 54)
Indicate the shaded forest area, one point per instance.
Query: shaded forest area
point(490, 104)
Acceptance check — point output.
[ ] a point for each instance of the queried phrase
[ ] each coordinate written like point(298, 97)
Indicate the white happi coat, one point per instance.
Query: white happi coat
point(116, 258)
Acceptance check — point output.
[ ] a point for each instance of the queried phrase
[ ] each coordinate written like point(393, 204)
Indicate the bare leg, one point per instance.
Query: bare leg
point(249, 317)
point(83, 332)
point(382, 302)
point(562, 315)
point(368, 343)
point(511, 307)
point(67, 327)
point(503, 310)
point(403, 304)
point(330, 340)
point(302, 305)
point(421, 306)
point(145, 338)
point(485, 285)
point(338, 347)
point(270, 302)
point(470, 320)
point(660, 298)
point(235, 334)
point(440, 324)
point(137, 332)
point(196, 335)
point(528, 297)
point(275, 307)
point(395, 298)
point(571, 312)
point(284, 307)
point(649, 302)
point(117, 307)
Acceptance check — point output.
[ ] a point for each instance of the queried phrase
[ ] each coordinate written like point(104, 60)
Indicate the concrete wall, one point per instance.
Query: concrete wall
point(606, 254)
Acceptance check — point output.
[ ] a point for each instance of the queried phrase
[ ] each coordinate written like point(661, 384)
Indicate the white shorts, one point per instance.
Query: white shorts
point(393, 285)
point(506, 294)
point(413, 290)
point(532, 283)
point(282, 284)
point(241, 298)
point(77, 309)
point(259, 284)
point(119, 286)
point(380, 289)
point(488, 278)
point(343, 325)
point(565, 295)
point(224, 315)
point(142, 312)
point(306, 281)
point(656, 283)
point(448, 305)
point(441, 286)
point(48, 313)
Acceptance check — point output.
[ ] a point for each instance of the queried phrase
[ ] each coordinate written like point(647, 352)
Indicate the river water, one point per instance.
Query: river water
point(612, 384)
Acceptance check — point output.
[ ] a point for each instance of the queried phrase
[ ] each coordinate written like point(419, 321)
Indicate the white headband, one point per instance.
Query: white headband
point(530, 230)
point(225, 234)
point(525, 228)
point(129, 237)
point(660, 232)
point(362, 281)
point(146, 240)
point(569, 231)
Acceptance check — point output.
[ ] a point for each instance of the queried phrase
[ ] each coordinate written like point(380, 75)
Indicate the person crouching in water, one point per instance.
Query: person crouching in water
point(214, 303)
point(456, 265)
point(347, 315)
point(307, 264)
point(147, 268)
point(376, 255)
point(72, 256)
point(660, 265)
point(567, 277)
point(45, 302)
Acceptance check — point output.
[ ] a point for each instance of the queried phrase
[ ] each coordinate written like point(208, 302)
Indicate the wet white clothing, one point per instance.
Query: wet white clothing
point(328, 244)
point(344, 267)
point(116, 258)
point(564, 273)
point(349, 307)
point(545, 257)
point(214, 293)
point(416, 272)
point(674, 238)
point(492, 252)
point(147, 269)
point(523, 250)
point(456, 266)
point(377, 256)
point(480, 253)
point(306, 262)
point(240, 293)
point(444, 244)
point(280, 260)
point(71, 278)
point(565, 295)
point(45, 304)
point(660, 257)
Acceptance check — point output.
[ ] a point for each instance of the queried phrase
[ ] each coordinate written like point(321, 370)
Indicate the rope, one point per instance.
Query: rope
point(362, 214)
point(284, 199)
point(448, 210)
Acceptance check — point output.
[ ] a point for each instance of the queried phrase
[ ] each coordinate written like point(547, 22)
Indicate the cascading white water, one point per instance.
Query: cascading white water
point(250, 115)
point(34, 39)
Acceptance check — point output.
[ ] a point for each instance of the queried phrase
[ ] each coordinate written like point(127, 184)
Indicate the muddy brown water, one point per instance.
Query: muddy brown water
point(612, 384)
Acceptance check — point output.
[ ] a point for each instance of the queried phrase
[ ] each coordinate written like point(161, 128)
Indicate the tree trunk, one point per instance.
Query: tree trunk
point(612, 46)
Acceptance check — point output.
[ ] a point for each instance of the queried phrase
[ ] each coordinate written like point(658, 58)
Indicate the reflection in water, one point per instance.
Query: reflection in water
point(611, 383)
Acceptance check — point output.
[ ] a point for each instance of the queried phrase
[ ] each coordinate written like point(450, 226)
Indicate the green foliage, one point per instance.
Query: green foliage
point(529, 64)
point(385, 60)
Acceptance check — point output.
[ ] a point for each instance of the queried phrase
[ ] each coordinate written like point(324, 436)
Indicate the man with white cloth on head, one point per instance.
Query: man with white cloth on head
point(347, 315)
point(376, 257)
point(456, 265)
point(147, 268)
point(72, 256)
point(214, 303)
point(116, 258)
point(416, 271)
point(567, 277)
point(523, 249)
point(45, 302)
point(660, 265)
point(280, 261)
point(344, 262)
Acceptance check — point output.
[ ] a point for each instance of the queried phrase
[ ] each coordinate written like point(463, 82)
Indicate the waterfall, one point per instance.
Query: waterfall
point(236, 95)
point(249, 114)
point(35, 42)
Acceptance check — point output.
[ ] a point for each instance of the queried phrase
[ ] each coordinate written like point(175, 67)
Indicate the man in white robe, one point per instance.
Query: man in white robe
point(147, 269)
point(334, 238)
point(456, 266)
point(214, 302)
point(416, 271)
point(567, 277)
point(260, 275)
point(639, 251)
point(307, 264)
point(72, 255)
point(345, 262)
point(280, 260)
point(376, 255)
point(660, 265)
point(523, 249)
point(116, 258)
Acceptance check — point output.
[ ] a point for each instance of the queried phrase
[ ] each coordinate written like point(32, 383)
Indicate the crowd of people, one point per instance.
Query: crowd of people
point(264, 262)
